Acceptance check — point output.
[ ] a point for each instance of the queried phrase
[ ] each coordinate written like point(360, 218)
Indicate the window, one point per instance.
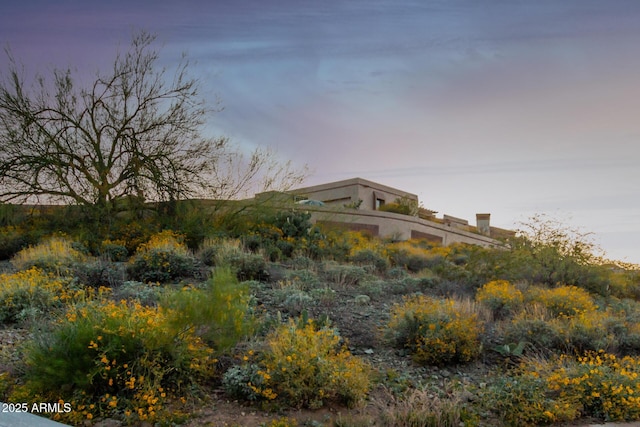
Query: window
point(378, 200)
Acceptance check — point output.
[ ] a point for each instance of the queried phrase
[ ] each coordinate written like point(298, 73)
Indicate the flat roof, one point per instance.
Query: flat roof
point(353, 181)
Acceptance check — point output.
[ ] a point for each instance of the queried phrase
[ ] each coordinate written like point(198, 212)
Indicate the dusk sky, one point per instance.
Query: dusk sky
point(507, 107)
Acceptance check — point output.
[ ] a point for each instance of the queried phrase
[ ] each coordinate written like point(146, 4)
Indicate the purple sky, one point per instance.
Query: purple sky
point(508, 107)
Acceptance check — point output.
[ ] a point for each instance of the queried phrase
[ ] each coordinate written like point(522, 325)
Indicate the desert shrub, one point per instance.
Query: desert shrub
point(219, 312)
point(303, 366)
point(416, 256)
point(146, 293)
point(437, 332)
point(501, 297)
point(605, 386)
point(163, 258)
point(344, 275)
point(324, 296)
point(132, 234)
point(115, 251)
point(297, 300)
point(99, 273)
point(239, 381)
point(411, 261)
point(114, 359)
point(589, 331)
point(374, 288)
point(281, 422)
point(563, 300)
point(302, 263)
point(625, 284)
point(628, 336)
point(370, 257)
point(249, 266)
point(208, 254)
point(303, 279)
point(397, 273)
point(33, 292)
point(524, 399)
point(419, 407)
point(534, 328)
point(12, 240)
point(230, 252)
point(55, 255)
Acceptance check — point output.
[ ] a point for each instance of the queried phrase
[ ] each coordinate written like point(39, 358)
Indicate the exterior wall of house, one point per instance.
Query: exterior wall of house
point(396, 226)
point(338, 195)
point(341, 193)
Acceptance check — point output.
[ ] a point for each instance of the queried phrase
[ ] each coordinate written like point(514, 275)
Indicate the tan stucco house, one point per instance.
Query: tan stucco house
point(355, 204)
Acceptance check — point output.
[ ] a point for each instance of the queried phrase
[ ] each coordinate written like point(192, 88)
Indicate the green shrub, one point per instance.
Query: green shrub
point(344, 275)
point(114, 359)
point(148, 294)
point(239, 381)
point(303, 366)
point(323, 296)
point(297, 300)
point(542, 333)
point(230, 252)
point(437, 332)
point(302, 263)
point(219, 312)
point(249, 266)
point(12, 240)
point(99, 273)
point(590, 331)
point(114, 251)
point(55, 255)
point(370, 257)
point(303, 279)
point(163, 258)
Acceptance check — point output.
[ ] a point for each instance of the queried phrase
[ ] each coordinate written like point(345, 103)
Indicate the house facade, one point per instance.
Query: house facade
point(355, 203)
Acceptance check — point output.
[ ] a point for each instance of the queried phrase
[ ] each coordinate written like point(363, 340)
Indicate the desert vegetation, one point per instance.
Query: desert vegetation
point(257, 312)
point(129, 304)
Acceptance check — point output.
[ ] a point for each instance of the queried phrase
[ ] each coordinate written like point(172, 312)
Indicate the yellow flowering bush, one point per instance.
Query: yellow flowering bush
point(55, 254)
point(33, 292)
point(304, 366)
point(108, 358)
point(164, 257)
point(281, 422)
point(437, 332)
point(563, 300)
point(606, 386)
point(524, 399)
point(544, 391)
point(501, 297)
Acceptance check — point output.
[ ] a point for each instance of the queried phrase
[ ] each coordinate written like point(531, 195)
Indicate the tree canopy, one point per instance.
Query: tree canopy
point(136, 130)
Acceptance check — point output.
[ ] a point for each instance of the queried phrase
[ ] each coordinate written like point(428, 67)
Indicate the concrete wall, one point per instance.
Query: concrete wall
point(396, 226)
point(341, 193)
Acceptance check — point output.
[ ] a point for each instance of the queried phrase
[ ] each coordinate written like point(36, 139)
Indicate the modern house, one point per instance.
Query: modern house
point(357, 204)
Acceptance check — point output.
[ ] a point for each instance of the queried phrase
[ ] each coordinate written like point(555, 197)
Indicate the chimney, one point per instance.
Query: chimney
point(483, 223)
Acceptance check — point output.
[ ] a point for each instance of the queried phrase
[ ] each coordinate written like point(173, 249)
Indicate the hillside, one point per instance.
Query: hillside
point(280, 323)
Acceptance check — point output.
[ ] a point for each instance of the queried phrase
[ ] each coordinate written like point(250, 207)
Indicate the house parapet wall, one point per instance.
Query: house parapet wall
point(397, 226)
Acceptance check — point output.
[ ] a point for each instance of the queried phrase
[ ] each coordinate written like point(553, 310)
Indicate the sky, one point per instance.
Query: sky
point(508, 107)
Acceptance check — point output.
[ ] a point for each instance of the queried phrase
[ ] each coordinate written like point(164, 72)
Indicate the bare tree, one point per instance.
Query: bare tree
point(135, 131)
